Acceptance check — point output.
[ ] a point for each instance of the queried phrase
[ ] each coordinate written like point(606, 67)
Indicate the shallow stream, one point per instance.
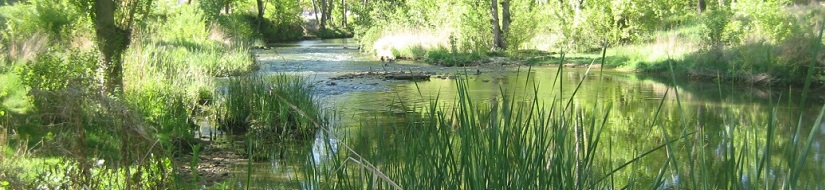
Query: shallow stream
point(363, 104)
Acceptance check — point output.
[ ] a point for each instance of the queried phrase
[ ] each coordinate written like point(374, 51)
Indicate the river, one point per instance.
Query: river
point(362, 106)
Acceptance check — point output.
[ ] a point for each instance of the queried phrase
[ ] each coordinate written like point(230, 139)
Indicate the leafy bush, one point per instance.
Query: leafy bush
point(334, 32)
point(716, 26)
point(445, 58)
point(52, 17)
point(55, 71)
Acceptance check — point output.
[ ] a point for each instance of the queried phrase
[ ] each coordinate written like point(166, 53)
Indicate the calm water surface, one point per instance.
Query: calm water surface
point(362, 106)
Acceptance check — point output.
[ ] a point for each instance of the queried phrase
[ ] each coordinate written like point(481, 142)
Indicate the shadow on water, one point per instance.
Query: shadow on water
point(367, 109)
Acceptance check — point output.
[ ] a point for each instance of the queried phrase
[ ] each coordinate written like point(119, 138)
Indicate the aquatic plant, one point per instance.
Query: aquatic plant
point(560, 144)
point(262, 107)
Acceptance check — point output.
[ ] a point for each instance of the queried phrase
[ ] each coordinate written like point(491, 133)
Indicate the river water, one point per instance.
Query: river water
point(363, 105)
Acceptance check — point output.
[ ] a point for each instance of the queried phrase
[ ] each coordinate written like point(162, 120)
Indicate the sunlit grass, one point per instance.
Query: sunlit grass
point(410, 43)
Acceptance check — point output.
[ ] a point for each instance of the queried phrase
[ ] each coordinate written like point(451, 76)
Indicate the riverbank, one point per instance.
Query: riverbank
point(59, 130)
point(764, 43)
point(759, 64)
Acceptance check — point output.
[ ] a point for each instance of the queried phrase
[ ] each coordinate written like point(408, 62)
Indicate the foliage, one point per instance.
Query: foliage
point(50, 95)
point(334, 32)
point(446, 58)
point(55, 19)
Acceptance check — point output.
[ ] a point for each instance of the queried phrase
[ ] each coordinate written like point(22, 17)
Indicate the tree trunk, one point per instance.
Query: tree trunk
point(497, 38)
point(505, 22)
point(701, 6)
point(322, 25)
point(577, 6)
point(260, 13)
point(330, 8)
point(226, 6)
point(315, 12)
point(343, 13)
point(111, 41)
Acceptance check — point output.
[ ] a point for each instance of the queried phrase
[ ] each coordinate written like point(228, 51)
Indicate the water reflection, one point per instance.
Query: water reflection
point(723, 116)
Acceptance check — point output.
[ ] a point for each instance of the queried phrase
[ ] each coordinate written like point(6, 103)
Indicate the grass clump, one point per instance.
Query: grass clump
point(262, 108)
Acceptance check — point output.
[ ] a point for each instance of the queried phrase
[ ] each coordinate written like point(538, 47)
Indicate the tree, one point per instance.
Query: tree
point(505, 22)
point(315, 11)
point(111, 41)
point(499, 32)
point(324, 15)
point(260, 13)
point(113, 37)
point(343, 13)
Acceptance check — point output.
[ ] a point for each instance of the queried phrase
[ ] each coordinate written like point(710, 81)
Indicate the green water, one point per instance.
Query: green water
point(365, 109)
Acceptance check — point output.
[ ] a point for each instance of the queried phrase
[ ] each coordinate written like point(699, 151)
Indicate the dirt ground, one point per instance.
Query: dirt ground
point(214, 164)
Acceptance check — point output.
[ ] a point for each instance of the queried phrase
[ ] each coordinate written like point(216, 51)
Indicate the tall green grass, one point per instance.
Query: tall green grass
point(560, 144)
point(262, 108)
point(50, 103)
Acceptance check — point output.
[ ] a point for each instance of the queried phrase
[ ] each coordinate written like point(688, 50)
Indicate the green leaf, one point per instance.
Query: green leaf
point(4, 183)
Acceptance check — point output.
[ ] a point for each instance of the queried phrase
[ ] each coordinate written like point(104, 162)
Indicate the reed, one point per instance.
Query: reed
point(259, 106)
point(560, 144)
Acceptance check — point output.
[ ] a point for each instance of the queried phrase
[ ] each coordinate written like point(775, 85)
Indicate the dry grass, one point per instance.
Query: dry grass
point(217, 33)
point(409, 38)
point(28, 50)
point(83, 42)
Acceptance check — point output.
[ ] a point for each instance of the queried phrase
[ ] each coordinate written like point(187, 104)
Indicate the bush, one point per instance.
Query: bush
point(445, 58)
point(55, 18)
point(335, 32)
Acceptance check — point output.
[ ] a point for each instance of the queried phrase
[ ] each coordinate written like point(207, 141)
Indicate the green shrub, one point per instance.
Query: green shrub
point(54, 71)
point(335, 32)
point(52, 17)
point(443, 57)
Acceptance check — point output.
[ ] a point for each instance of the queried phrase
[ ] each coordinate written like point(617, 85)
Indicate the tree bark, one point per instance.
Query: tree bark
point(226, 6)
point(497, 38)
point(343, 13)
point(330, 8)
point(111, 41)
point(505, 22)
point(324, 15)
point(260, 13)
point(315, 12)
point(701, 6)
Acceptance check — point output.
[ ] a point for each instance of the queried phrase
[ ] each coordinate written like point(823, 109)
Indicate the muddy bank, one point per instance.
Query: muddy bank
point(214, 164)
